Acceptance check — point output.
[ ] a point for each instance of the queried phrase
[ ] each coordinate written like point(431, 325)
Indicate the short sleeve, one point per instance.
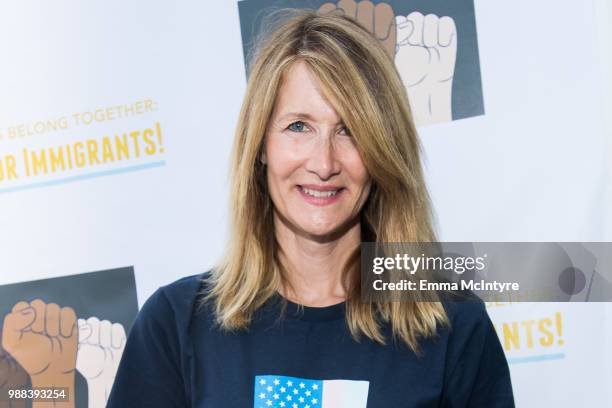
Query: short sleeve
point(477, 373)
point(149, 373)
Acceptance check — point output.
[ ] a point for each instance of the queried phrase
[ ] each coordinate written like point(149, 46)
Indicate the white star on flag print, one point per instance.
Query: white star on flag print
point(277, 391)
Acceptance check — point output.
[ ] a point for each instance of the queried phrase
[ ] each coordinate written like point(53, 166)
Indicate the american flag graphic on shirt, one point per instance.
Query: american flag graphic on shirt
point(277, 391)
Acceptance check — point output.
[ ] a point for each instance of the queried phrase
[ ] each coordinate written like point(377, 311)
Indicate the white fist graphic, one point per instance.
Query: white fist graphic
point(425, 58)
point(101, 345)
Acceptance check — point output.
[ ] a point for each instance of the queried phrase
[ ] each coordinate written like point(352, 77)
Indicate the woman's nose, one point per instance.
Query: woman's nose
point(322, 159)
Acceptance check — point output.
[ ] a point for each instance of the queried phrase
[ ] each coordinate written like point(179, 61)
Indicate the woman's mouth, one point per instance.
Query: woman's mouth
point(320, 196)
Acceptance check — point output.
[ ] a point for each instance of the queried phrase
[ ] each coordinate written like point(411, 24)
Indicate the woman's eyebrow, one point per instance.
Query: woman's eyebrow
point(299, 115)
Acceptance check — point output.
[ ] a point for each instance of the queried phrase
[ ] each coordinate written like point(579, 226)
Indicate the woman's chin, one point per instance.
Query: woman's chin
point(317, 230)
point(324, 227)
point(321, 230)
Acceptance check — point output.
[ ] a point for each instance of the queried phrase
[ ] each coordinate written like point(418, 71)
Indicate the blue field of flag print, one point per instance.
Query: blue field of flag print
point(277, 391)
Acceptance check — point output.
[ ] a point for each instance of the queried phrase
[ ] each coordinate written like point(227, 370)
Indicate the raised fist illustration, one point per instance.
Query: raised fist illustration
point(12, 376)
point(42, 338)
point(101, 345)
point(378, 19)
point(425, 59)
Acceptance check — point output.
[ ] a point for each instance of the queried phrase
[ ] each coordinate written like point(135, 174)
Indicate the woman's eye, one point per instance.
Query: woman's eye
point(345, 131)
point(298, 126)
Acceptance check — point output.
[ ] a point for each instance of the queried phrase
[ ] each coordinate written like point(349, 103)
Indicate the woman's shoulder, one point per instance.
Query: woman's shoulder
point(469, 323)
point(185, 288)
point(476, 364)
point(471, 334)
point(464, 309)
point(176, 301)
point(158, 344)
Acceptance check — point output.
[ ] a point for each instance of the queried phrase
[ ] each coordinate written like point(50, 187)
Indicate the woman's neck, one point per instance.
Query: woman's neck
point(314, 266)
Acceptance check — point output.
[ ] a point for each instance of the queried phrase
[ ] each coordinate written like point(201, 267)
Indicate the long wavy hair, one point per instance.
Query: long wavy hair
point(360, 80)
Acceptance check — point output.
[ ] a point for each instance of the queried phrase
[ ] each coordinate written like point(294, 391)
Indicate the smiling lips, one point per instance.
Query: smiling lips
point(320, 195)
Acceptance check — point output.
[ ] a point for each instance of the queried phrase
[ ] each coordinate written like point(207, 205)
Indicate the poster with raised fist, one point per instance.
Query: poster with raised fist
point(433, 43)
point(65, 333)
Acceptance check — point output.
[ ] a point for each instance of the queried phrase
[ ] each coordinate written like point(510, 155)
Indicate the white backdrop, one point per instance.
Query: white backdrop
point(533, 168)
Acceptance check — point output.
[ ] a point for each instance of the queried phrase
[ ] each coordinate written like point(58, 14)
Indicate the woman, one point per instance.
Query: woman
point(326, 156)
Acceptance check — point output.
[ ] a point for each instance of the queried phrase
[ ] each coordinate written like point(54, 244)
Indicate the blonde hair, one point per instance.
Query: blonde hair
point(360, 80)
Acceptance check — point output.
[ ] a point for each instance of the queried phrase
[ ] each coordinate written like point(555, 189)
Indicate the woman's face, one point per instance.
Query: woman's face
point(316, 178)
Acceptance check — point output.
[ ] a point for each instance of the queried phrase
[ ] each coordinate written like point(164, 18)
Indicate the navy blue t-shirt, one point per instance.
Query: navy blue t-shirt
point(177, 357)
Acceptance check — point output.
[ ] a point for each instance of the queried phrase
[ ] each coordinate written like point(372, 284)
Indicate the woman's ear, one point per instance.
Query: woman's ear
point(262, 157)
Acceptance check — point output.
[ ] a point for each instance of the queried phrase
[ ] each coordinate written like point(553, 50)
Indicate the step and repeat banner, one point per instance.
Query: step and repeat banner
point(116, 123)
